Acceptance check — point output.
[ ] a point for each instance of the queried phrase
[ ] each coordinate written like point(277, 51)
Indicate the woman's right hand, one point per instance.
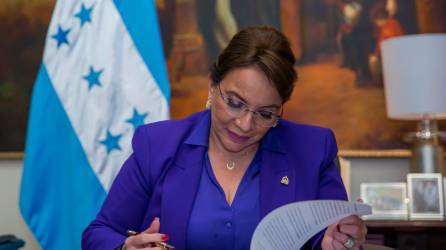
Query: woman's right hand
point(146, 239)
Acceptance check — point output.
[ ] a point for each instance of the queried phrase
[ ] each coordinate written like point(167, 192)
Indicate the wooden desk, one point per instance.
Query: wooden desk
point(408, 234)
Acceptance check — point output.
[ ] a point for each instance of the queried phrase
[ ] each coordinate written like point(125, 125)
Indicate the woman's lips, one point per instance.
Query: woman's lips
point(237, 138)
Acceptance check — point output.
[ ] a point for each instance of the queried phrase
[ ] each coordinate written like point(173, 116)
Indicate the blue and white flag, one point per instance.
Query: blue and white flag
point(102, 75)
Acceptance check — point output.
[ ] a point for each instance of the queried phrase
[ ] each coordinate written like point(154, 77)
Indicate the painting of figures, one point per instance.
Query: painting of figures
point(336, 43)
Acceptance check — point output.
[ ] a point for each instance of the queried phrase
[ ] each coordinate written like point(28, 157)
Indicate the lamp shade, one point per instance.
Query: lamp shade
point(414, 69)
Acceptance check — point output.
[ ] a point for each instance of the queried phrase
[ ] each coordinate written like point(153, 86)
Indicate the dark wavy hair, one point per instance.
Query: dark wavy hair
point(265, 48)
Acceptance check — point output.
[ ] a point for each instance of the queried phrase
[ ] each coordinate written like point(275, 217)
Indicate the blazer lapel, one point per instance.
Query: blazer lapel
point(179, 190)
point(181, 182)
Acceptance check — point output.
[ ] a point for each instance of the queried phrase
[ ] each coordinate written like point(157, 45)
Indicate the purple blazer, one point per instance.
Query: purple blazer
point(161, 177)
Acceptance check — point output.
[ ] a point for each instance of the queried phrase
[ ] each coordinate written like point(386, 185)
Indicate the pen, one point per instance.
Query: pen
point(161, 244)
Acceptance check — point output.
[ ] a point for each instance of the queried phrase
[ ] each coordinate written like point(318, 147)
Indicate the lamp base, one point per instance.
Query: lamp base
point(427, 158)
point(428, 154)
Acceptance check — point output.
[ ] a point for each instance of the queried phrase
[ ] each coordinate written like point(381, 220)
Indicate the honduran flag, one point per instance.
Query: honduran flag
point(102, 75)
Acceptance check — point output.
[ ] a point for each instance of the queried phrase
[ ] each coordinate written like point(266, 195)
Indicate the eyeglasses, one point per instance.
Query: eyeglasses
point(238, 109)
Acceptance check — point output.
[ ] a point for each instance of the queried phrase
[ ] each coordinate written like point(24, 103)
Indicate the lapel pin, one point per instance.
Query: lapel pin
point(285, 181)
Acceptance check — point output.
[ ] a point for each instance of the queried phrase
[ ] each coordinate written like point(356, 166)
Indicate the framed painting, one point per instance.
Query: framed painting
point(23, 25)
point(336, 43)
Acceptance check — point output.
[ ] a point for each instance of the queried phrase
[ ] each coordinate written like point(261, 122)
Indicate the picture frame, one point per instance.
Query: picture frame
point(188, 28)
point(425, 196)
point(388, 200)
point(444, 192)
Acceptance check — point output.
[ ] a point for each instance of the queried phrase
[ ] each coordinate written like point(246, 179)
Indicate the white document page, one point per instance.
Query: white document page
point(292, 225)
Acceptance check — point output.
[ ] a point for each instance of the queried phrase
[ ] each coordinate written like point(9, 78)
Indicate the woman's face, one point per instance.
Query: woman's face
point(244, 85)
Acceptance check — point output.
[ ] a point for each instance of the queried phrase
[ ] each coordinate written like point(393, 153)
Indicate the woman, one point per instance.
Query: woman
point(206, 181)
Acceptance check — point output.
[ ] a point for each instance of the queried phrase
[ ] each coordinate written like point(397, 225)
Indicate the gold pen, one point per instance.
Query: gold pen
point(161, 244)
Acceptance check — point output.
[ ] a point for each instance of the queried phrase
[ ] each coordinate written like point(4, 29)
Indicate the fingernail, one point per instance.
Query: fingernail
point(165, 237)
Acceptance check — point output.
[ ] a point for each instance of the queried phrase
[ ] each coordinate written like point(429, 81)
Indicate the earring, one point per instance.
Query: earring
point(209, 100)
point(208, 103)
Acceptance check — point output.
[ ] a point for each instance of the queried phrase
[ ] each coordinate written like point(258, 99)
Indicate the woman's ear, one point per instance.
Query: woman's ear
point(211, 86)
point(210, 92)
point(210, 83)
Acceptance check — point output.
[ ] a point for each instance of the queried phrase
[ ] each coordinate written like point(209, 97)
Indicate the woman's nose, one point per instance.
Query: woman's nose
point(245, 122)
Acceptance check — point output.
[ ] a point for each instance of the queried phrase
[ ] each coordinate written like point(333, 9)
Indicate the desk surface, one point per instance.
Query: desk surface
point(406, 223)
point(408, 234)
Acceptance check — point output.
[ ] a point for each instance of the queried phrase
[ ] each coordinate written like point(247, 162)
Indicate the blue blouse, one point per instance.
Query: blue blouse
point(214, 224)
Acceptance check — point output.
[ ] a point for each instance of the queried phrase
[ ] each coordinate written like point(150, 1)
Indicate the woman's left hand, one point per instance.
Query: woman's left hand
point(348, 233)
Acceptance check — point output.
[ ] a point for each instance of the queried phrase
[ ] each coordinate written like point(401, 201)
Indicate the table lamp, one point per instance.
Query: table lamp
point(414, 70)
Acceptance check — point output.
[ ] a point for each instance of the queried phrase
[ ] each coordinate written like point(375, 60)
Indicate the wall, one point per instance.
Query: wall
point(376, 170)
point(11, 221)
